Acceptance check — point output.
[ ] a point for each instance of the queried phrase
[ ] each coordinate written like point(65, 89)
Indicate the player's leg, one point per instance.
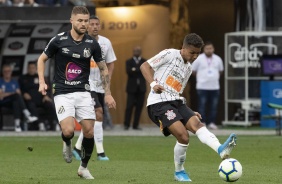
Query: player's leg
point(166, 116)
point(65, 112)
point(77, 148)
point(98, 127)
point(99, 135)
point(68, 127)
point(195, 126)
point(86, 148)
point(180, 133)
point(86, 116)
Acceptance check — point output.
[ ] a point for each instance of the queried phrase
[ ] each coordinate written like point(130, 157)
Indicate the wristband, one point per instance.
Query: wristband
point(153, 84)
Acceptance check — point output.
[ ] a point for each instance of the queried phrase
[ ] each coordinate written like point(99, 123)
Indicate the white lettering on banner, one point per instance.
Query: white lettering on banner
point(72, 82)
point(74, 71)
point(277, 93)
point(251, 54)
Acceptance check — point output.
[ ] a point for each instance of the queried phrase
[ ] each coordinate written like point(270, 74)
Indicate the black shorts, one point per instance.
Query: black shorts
point(164, 114)
point(98, 99)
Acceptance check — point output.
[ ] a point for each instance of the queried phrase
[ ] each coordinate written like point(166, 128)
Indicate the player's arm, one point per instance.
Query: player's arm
point(148, 74)
point(111, 67)
point(40, 69)
point(105, 78)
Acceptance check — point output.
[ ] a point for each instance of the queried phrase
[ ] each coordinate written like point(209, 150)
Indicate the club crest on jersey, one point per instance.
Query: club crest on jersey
point(86, 53)
point(170, 114)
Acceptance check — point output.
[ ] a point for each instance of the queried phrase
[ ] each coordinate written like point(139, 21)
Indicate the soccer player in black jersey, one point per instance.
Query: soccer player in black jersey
point(72, 52)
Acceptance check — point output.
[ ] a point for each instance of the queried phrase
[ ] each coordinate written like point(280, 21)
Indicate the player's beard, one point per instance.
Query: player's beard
point(78, 31)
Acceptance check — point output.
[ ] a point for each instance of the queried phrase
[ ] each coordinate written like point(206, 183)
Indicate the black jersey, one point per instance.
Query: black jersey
point(72, 62)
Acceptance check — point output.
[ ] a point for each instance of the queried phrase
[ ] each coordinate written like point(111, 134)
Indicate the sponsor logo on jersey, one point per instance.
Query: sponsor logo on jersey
point(170, 114)
point(86, 52)
point(65, 50)
point(88, 41)
point(72, 83)
point(72, 71)
point(75, 55)
point(64, 37)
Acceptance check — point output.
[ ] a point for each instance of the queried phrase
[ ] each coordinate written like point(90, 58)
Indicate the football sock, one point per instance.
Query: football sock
point(79, 141)
point(98, 136)
point(86, 150)
point(26, 113)
point(179, 156)
point(17, 122)
point(67, 140)
point(208, 138)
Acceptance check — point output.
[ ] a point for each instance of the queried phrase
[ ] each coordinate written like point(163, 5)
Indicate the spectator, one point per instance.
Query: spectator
point(10, 97)
point(5, 3)
point(52, 2)
point(207, 68)
point(18, 3)
point(29, 84)
point(30, 3)
point(136, 88)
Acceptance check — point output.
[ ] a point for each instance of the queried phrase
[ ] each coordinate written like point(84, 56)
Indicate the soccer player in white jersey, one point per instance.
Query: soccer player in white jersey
point(97, 90)
point(168, 73)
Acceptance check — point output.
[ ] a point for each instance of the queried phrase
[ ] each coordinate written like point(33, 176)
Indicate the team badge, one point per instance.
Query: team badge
point(86, 52)
point(170, 114)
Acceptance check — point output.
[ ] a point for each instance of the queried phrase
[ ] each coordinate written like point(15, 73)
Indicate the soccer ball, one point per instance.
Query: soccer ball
point(230, 170)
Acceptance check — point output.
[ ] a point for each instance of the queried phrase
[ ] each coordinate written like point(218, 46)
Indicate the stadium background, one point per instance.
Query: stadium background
point(25, 32)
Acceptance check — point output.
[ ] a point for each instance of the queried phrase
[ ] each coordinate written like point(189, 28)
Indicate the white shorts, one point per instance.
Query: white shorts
point(77, 104)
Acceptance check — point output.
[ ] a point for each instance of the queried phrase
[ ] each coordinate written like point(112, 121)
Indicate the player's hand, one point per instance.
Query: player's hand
point(43, 88)
point(198, 115)
point(110, 101)
point(158, 89)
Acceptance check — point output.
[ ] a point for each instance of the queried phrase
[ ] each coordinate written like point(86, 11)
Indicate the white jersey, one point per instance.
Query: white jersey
point(170, 72)
point(109, 55)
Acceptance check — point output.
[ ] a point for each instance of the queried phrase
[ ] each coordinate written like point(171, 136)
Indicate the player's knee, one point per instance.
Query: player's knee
point(99, 114)
point(88, 133)
point(183, 139)
point(68, 132)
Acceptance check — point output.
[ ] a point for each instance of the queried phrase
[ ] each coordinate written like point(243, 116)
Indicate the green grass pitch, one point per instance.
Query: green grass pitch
point(137, 160)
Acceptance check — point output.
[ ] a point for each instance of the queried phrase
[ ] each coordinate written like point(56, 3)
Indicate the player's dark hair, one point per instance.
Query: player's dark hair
point(194, 40)
point(79, 10)
point(94, 17)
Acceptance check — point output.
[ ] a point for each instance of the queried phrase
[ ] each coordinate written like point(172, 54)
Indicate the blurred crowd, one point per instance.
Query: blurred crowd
point(43, 3)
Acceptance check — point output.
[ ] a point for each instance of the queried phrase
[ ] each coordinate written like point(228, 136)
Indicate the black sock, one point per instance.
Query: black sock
point(101, 154)
point(86, 150)
point(67, 140)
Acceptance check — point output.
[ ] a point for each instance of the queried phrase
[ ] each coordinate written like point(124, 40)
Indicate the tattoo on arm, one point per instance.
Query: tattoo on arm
point(105, 78)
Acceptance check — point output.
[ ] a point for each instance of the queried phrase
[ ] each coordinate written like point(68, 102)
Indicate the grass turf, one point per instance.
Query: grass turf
point(137, 160)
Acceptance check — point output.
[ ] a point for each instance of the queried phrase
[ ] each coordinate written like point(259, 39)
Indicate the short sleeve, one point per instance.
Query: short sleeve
point(51, 48)
point(159, 59)
point(97, 52)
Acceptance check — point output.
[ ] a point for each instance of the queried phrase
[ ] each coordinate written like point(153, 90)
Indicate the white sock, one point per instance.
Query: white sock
point(17, 122)
point(79, 141)
point(26, 113)
point(208, 138)
point(179, 156)
point(98, 136)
